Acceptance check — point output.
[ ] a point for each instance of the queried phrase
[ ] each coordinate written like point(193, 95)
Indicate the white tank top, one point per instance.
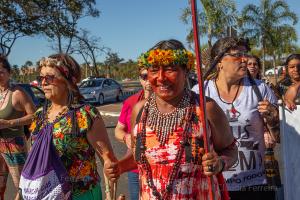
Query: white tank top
point(247, 128)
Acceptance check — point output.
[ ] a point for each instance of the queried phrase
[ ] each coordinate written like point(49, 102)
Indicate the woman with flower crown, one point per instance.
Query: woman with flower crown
point(167, 140)
point(77, 132)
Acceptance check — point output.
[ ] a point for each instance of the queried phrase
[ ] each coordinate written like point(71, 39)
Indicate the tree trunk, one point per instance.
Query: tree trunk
point(59, 44)
point(209, 36)
point(274, 65)
point(264, 58)
point(94, 63)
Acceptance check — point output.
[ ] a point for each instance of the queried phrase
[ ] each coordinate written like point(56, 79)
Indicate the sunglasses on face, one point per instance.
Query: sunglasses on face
point(48, 78)
point(238, 55)
point(144, 77)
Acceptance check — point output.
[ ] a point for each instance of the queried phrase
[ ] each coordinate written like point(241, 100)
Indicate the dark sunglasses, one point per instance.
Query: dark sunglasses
point(48, 78)
point(144, 77)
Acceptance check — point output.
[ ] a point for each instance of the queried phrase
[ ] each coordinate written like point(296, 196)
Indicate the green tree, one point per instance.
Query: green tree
point(28, 63)
point(216, 15)
point(282, 43)
point(112, 60)
point(264, 23)
point(15, 73)
point(14, 23)
point(57, 20)
point(88, 47)
point(60, 19)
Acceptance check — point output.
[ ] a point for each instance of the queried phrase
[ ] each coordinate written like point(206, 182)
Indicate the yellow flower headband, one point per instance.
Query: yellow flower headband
point(161, 57)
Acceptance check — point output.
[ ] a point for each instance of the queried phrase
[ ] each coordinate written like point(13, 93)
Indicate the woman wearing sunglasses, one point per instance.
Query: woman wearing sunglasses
point(123, 128)
point(77, 133)
point(234, 92)
point(16, 110)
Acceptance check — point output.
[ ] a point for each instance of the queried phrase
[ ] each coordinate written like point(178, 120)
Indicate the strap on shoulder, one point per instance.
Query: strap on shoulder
point(138, 117)
point(255, 88)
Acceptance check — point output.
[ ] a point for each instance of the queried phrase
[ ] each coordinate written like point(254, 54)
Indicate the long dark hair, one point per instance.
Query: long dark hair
point(257, 59)
point(287, 81)
point(4, 63)
point(218, 50)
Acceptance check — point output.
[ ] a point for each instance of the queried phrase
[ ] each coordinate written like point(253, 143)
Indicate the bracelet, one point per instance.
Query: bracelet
point(17, 122)
point(223, 164)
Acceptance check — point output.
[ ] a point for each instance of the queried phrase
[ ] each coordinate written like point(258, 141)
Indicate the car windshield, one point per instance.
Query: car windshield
point(90, 83)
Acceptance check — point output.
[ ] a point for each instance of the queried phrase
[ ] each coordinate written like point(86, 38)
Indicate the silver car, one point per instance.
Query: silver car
point(99, 90)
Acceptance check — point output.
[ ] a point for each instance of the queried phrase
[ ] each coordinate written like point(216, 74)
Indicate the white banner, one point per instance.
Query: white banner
point(290, 151)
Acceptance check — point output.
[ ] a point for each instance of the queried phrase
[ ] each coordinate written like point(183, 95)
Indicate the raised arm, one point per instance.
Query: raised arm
point(291, 95)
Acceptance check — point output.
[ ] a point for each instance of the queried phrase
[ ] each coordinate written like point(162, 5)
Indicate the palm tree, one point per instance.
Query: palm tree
point(263, 24)
point(216, 15)
point(282, 43)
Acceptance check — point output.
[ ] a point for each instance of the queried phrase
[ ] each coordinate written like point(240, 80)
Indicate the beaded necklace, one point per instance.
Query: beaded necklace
point(166, 123)
point(3, 97)
point(232, 110)
point(59, 115)
point(184, 142)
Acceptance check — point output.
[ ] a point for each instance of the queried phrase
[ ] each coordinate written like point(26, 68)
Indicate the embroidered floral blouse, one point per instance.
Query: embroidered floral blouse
point(77, 155)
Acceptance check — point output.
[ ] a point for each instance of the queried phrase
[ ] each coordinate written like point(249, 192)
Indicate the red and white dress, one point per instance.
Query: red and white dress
point(190, 182)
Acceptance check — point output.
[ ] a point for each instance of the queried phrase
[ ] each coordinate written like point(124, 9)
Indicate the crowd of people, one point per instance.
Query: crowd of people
point(162, 126)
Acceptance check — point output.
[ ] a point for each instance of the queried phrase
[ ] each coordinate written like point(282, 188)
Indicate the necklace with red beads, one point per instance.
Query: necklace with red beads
point(142, 149)
point(232, 110)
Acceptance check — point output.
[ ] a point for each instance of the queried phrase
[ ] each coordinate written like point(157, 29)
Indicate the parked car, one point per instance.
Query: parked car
point(278, 70)
point(37, 95)
point(99, 90)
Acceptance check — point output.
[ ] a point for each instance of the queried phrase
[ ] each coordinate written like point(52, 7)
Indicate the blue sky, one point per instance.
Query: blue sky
point(128, 27)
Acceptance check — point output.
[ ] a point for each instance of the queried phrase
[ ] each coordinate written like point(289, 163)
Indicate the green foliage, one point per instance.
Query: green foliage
point(118, 71)
point(270, 27)
point(112, 60)
point(15, 73)
point(213, 19)
point(55, 19)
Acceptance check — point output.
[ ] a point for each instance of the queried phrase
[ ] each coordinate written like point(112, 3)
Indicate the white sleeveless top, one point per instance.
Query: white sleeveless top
point(247, 128)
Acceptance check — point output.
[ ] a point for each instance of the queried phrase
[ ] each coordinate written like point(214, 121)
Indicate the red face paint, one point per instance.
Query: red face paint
point(167, 82)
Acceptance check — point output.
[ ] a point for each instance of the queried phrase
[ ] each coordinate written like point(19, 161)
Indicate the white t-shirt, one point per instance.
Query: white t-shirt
point(247, 128)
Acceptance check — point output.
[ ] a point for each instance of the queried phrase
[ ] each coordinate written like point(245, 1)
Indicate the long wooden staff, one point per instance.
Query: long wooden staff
point(201, 90)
